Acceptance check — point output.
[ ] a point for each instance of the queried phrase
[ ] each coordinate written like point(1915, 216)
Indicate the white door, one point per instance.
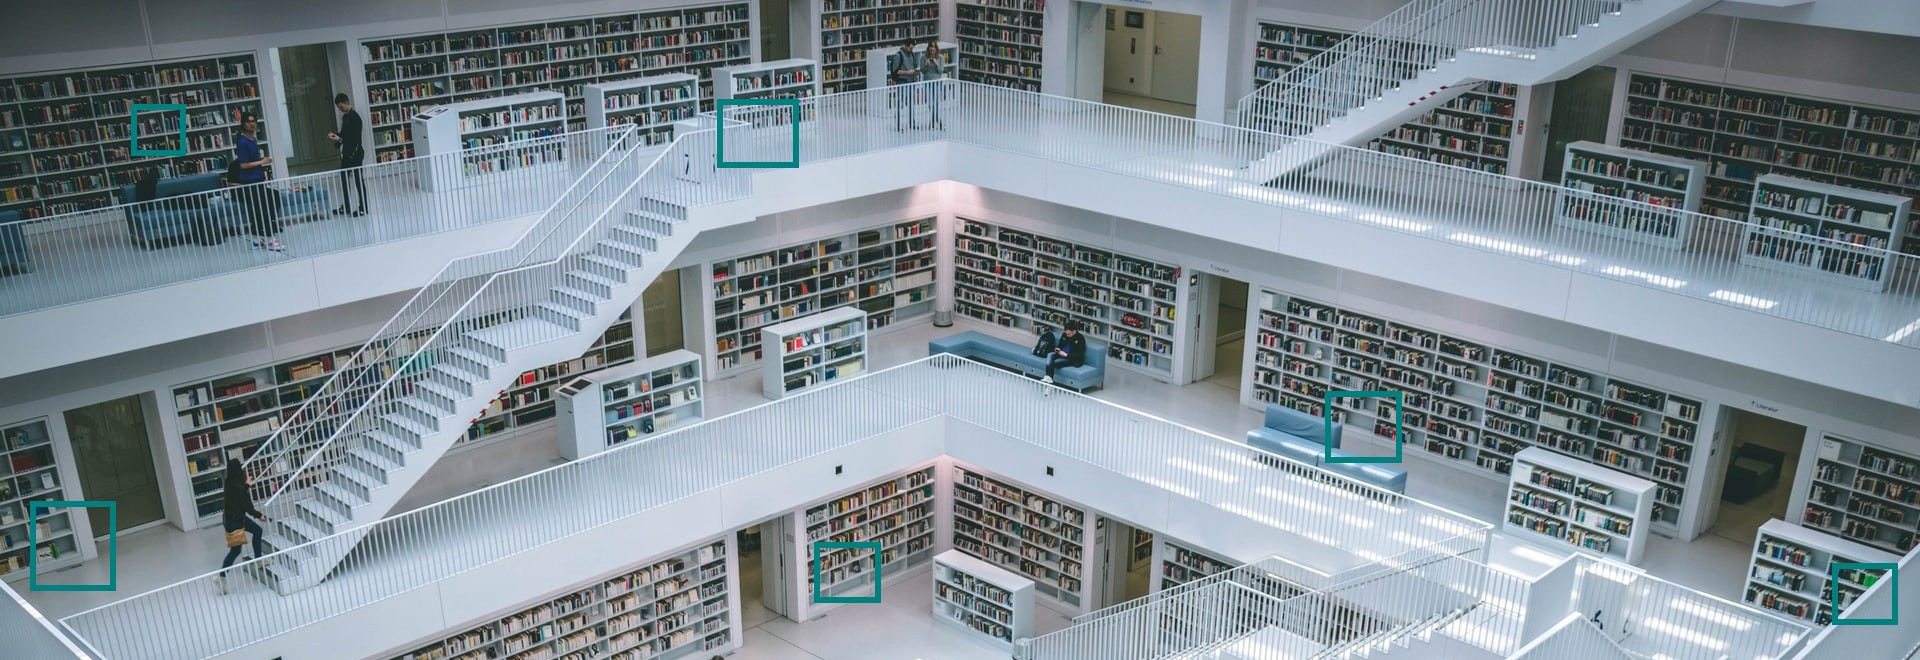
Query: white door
point(1129, 56)
point(1176, 57)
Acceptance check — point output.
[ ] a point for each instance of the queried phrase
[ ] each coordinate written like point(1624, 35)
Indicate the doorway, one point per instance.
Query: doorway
point(1230, 332)
point(306, 93)
point(1152, 60)
point(1126, 558)
point(763, 585)
point(662, 318)
point(1581, 108)
point(113, 454)
point(1759, 469)
point(775, 42)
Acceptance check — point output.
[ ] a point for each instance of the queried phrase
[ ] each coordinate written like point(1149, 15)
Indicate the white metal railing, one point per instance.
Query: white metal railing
point(1656, 617)
point(93, 254)
point(1276, 576)
point(25, 634)
point(1415, 38)
point(420, 547)
point(1573, 637)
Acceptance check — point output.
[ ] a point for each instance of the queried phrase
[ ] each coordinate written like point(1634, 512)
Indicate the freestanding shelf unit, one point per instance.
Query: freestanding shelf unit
point(811, 350)
point(981, 598)
point(493, 122)
point(1571, 501)
point(607, 408)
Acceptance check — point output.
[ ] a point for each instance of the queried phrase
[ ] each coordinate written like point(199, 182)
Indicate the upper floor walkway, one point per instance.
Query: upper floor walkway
point(1471, 233)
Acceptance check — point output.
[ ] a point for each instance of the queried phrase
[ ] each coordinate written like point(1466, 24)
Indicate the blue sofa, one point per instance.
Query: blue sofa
point(1304, 437)
point(998, 351)
point(14, 257)
point(153, 224)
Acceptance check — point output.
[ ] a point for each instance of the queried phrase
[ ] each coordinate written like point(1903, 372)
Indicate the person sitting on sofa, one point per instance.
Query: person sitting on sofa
point(1072, 351)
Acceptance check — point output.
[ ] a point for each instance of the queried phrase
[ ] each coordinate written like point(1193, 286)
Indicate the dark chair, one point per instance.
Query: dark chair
point(1752, 471)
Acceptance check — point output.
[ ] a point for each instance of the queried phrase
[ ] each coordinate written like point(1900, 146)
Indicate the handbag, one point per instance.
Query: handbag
point(237, 538)
point(1045, 346)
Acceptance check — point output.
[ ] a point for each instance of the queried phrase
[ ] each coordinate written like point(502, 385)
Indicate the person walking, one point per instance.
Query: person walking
point(933, 86)
point(252, 178)
point(903, 69)
point(238, 508)
point(1071, 352)
point(352, 152)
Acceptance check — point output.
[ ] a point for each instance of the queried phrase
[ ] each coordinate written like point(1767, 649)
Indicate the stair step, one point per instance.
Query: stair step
point(441, 395)
point(430, 413)
point(417, 429)
point(277, 543)
point(575, 299)
point(561, 315)
point(282, 572)
point(607, 268)
point(472, 362)
point(372, 461)
point(637, 237)
point(523, 332)
point(598, 285)
point(321, 516)
point(302, 532)
point(631, 255)
point(456, 379)
point(338, 499)
point(356, 481)
point(483, 341)
point(390, 446)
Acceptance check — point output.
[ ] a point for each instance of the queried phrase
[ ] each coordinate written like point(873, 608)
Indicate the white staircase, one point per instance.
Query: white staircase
point(1429, 52)
point(378, 425)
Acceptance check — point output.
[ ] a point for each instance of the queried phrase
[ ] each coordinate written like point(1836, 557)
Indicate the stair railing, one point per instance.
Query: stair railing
point(363, 376)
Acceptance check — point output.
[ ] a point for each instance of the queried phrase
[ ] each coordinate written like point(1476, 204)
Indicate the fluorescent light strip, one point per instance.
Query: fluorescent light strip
point(1210, 472)
point(1503, 246)
point(1902, 334)
point(1657, 280)
point(1743, 299)
point(1396, 223)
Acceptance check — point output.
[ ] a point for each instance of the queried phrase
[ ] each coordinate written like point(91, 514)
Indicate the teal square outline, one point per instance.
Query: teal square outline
point(113, 544)
point(841, 545)
point(133, 118)
point(1893, 575)
point(720, 133)
point(1399, 418)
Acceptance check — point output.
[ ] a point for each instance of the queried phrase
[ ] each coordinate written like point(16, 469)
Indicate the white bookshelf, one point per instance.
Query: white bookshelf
point(1669, 183)
point(881, 105)
point(1553, 497)
point(491, 122)
point(1181, 563)
point(1469, 404)
point(1142, 546)
point(900, 513)
point(1279, 47)
point(1788, 213)
point(606, 408)
point(682, 605)
point(794, 78)
point(1019, 279)
point(887, 271)
point(65, 136)
point(30, 472)
point(815, 350)
point(407, 74)
point(1026, 532)
point(981, 598)
point(650, 104)
point(1865, 494)
point(1001, 42)
point(529, 402)
point(848, 31)
point(1791, 574)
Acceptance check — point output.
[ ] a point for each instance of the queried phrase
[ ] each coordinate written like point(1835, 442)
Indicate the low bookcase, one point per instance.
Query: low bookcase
point(650, 104)
point(981, 598)
point(1181, 563)
point(1791, 572)
point(494, 122)
point(1790, 218)
point(1035, 536)
point(812, 350)
point(1589, 507)
point(780, 79)
point(1668, 186)
point(606, 408)
point(30, 472)
point(900, 513)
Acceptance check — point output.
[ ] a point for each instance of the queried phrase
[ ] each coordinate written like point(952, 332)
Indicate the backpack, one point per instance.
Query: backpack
point(1046, 344)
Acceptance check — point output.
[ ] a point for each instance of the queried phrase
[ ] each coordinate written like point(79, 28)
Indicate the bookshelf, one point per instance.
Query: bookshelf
point(65, 137)
point(881, 105)
point(1030, 534)
point(1788, 212)
point(488, 122)
point(407, 74)
point(811, 351)
point(1864, 494)
point(1791, 575)
point(981, 598)
point(1180, 564)
point(897, 512)
point(1142, 546)
point(1672, 184)
point(1743, 133)
point(886, 271)
point(1470, 404)
point(529, 400)
point(1000, 42)
point(650, 104)
point(29, 472)
point(850, 30)
point(604, 409)
point(780, 79)
point(1020, 279)
point(1476, 130)
point(682, 605)
point(1574, 502)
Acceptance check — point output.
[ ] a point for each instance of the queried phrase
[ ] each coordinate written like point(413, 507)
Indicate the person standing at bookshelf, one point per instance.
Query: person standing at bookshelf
point(252, 179)
point(352, 153)
point(238, 508)
point(903, 69)
point(933, 86)
point(1071, 352)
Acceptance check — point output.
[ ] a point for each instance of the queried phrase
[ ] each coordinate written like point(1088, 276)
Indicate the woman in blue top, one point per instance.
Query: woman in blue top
point(252, 177)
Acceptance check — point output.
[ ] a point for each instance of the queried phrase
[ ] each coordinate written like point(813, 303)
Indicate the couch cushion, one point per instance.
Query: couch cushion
point(186, 185)
point(1384, 476)
point(1286, 445)
point(1311, 427)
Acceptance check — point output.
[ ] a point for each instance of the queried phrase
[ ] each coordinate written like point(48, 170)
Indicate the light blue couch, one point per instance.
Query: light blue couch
point(153, 224)
point(14, 257)
point(1304, 437)
point(1021, 358)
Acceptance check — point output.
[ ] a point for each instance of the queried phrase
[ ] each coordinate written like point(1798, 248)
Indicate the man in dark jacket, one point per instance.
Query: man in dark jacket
point(1072, 351)
point(351, 155)
point(239, 506)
